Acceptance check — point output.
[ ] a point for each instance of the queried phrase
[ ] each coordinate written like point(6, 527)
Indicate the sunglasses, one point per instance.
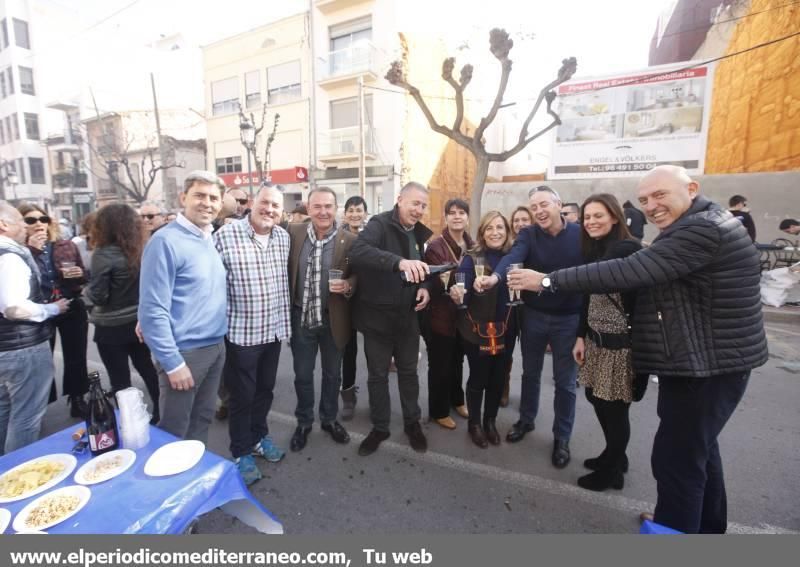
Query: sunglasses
point(150, 217)
point(241, 201)
point(34, 220)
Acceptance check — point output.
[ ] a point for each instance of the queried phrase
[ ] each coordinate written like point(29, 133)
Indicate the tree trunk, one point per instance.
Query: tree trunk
point(481, 171)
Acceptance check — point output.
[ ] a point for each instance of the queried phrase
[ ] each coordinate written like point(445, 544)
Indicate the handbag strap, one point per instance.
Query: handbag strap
point(476, 327)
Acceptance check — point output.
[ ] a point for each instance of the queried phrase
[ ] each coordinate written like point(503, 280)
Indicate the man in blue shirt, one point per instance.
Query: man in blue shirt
point(547, 319)
point(182, 305)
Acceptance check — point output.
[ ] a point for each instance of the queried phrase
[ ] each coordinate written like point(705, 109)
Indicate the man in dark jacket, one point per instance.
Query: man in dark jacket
point(698, 325)
point(384, 310)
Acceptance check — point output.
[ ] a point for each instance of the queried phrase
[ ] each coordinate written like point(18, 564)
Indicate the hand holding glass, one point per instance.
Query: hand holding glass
point(335, 282)
point(460, 284)
point(514, 294)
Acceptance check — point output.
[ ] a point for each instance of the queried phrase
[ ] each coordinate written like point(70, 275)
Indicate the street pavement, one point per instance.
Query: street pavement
point(457, 488)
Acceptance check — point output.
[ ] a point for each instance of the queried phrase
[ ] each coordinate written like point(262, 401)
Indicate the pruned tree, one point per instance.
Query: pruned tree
point(500, 44)
point(131, 172)
point(262, 166)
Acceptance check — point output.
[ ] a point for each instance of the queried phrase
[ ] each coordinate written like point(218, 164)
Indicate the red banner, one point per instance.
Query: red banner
point(295, 174)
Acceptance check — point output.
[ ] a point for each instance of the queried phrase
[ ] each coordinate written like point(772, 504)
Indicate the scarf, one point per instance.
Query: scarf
point(312, 300)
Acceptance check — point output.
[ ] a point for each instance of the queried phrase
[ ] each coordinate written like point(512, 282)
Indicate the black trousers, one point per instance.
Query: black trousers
point(115, 358)
point(249, 376)
point(73, 329)
point(349, 361)
point(616, 426)
point(445, 374)
point(686, 462)
point(380, 349)
point(487, 377)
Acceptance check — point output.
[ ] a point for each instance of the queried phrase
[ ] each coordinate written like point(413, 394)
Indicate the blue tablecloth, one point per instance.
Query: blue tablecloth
point(134, 503)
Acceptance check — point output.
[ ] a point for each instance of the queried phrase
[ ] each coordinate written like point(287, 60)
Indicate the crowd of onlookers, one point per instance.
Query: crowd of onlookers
point(200, 302)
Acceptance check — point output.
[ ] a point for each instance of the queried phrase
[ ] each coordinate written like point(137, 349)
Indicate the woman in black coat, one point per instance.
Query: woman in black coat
point(118, 239)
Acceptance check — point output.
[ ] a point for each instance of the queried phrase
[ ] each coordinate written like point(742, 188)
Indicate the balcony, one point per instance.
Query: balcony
point(330, 6)
point(341, 145)
point(345, 66)
point(66, 141)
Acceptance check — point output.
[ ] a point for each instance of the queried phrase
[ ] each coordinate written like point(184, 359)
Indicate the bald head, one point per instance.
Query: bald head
point(11, 225)
point(666, 192)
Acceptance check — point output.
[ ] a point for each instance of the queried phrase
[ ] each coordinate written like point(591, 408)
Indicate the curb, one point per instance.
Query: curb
point(786, 315)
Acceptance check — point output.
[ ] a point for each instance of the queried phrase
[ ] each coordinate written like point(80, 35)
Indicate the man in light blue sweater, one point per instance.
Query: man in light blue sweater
point(182, 305)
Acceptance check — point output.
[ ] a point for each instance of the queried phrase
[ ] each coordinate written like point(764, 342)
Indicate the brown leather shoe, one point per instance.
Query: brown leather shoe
point(646, 517)
point(477, 435)
point(446, 422)
point(462, 411)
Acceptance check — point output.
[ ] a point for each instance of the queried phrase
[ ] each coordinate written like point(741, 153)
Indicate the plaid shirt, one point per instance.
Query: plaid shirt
point(258, 283)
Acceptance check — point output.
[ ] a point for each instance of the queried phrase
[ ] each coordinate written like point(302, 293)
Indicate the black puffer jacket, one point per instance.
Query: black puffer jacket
point(698, 311)
point(382, 303)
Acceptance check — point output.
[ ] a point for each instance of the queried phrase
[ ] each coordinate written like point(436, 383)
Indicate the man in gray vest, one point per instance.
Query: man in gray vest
point(26, 365)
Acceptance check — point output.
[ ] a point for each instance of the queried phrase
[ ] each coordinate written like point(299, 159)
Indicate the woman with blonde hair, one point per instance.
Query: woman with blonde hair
point(487, 328)
point(62, 277)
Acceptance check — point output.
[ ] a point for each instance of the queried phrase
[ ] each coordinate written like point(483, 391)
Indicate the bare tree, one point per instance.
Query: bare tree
point(131, 172)
point(500, 45)
point(262, 167)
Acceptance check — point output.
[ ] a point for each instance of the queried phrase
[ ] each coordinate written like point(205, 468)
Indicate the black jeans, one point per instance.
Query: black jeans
point(616, 426)
point(115, 359)
point(249, 376)
point(486, 374)
point(379, 350)
point(73, 328)
point(349, 361)
point(686, 461)
point(445, 374)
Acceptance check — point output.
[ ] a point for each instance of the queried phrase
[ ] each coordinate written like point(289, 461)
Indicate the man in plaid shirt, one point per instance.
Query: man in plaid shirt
point(255, 253)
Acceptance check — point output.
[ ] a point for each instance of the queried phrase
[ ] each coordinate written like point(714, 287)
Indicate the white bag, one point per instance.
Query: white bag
point(780, 286)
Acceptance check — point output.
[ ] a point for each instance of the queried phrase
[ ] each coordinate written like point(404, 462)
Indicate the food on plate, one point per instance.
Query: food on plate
point(102, 468)
point(51, 509)
point(29, 477)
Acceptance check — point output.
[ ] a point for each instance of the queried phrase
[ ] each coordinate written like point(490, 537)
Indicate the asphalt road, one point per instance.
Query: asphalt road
point(457, 488)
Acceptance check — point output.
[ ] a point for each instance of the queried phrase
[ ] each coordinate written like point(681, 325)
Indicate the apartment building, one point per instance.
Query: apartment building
point(72, 192)
point(24, 174)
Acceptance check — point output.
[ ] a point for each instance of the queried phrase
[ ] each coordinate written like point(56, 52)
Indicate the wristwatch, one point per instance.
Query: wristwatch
point(546, 283)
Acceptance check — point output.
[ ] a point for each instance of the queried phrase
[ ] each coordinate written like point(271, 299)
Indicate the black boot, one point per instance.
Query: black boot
point(600, 480)
point(474, 405)
point(490, 429)
point(597, 462)
point(477, 435)
point(78, 407)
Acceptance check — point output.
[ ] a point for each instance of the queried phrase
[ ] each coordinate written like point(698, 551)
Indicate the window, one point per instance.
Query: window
point(3, 84)
point(252, 89)
point(4, 31)
point(10, 81)
point(26, 80)
point(15, 126)
point(350, 46)
point(21, 170)
point(283, 82)
point(21, 37)
point(2, 133)
point(8, 129)
point(37, 170)
point(225, 96)
point(229, 164)
point(344, 112)
point(349, 33)
point(32, 126)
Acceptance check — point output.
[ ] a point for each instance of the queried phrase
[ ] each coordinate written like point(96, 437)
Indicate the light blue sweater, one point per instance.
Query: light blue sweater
point(182, 295)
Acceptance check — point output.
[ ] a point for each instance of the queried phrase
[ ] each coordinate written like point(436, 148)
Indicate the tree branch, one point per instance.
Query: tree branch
point(549, 97)
point(458, 88)
point(500, 45)
point(568, 68)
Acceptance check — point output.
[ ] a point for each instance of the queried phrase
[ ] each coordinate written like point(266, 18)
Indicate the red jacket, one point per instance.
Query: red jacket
point(444, 250)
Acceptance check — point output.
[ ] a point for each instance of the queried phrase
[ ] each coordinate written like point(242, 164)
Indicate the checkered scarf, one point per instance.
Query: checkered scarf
point(312, 302)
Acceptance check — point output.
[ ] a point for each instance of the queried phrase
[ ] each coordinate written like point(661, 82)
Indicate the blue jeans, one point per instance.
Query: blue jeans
point(305, 344)
point(541, 329)
point(25, 376)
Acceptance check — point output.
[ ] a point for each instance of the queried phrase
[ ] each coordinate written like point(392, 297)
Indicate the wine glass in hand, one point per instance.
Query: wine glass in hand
point(514, 294)
point(461, 285)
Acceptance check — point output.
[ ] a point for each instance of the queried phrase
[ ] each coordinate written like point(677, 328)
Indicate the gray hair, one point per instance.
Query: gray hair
point(322, 189)
point(414, 186)
point(546, 189)
point(158, 206)
point(202, 176)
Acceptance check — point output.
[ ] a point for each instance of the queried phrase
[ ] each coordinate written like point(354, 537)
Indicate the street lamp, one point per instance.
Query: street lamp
point(247, 133)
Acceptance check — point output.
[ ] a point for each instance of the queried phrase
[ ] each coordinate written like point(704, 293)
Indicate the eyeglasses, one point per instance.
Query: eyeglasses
point(150, 217)
point(241, 201)
point(34, 220)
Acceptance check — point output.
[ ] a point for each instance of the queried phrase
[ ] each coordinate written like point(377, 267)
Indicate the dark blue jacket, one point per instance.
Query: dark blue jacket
point(540, 251)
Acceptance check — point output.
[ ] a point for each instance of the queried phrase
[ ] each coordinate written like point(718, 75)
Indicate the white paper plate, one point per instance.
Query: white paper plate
point(82, 492)
point(5, 519)
point(126, 456)
point(174, 458)
point(69, 462)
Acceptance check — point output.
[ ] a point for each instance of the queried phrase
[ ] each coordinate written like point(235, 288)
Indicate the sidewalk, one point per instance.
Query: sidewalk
point(788, 314)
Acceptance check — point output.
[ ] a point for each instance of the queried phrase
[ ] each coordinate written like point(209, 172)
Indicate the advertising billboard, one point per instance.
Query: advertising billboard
point(622, 125)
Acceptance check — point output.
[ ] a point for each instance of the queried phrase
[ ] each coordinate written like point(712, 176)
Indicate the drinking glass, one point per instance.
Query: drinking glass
point(334, 276)
point(514, 294)
point(460, 283)
point(445, 277)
